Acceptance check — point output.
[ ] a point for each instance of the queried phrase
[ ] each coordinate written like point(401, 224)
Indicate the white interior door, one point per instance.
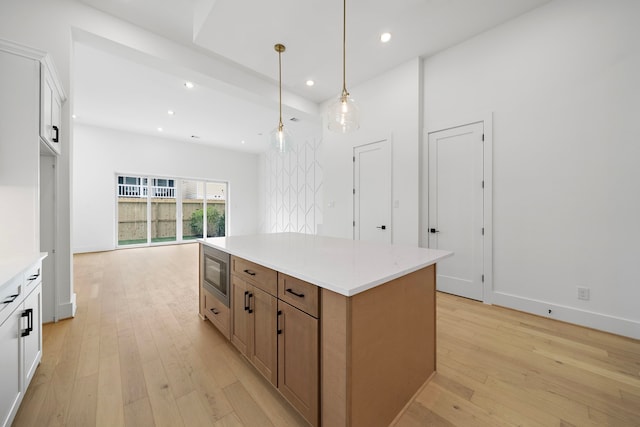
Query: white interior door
point(372, 192)
point(456, 207)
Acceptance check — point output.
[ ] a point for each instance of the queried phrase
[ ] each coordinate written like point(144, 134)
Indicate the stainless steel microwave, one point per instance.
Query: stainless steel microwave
point(215, 273)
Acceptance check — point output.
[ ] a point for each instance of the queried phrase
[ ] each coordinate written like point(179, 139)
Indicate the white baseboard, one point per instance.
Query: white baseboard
point(68, 309)
point(603, 322)
point(88, 249)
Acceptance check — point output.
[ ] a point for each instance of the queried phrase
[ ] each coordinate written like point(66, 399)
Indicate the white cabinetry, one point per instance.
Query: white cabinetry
point(20, 337)
point(51, 98)
point(30, 137)
point(10, 394)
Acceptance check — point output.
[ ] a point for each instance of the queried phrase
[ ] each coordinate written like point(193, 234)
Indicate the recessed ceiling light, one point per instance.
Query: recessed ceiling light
point(385, 37)
point(171, 112)
point(188, 85)
point(242, 141)
point(160, 129)
point(73, 116)
point(310, 82)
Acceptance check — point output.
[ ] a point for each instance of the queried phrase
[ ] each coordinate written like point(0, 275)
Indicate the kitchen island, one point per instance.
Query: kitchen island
point(349, 325)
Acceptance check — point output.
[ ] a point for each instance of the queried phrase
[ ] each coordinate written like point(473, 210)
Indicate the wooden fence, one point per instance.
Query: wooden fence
point(132, 217)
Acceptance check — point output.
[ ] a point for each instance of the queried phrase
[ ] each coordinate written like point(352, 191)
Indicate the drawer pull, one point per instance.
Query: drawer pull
point(34, 277)
point(214, 311)
point(295, 293)
point(10, 299)
point(249, 272)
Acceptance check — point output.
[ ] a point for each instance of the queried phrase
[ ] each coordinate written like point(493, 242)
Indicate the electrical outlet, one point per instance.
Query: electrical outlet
point(583, 293)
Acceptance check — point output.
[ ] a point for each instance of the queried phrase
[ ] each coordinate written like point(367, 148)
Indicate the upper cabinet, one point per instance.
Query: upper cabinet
point(51, 100)
point(50, 93)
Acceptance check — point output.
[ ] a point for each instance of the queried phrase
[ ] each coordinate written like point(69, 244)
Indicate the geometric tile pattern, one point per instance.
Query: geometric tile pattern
point(292, 189)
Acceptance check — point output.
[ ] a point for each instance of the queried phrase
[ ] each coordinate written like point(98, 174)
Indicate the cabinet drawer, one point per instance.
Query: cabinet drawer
point(217, 313)
point(10, 296)
point(298, 293)
point(262, 277)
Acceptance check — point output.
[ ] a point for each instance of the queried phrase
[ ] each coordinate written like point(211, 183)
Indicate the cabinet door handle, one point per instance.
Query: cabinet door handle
point(10, 299)
point(30, 310)
point(55, 138)
point(214, 311)
point(27, 314)
point(278, 322)
point(250, 296)
point(246, 302)
point(295, 293)
point(249, 272)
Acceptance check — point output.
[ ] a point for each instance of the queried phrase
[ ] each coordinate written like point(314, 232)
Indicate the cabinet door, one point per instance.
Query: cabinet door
point(298, 368)
point(9, 367)
point(50, 112)
point(240, 316)
point(263, 351)
point(33, 341)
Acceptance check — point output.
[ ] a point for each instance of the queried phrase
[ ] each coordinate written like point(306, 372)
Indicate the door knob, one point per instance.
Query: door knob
point(433, 230)
point(382, 227)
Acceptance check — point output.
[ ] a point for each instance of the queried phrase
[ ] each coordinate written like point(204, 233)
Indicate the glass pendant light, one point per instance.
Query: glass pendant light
point(280, 138)
point(343, 115)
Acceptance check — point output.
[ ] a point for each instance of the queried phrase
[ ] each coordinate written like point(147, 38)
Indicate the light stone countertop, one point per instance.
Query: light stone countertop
point(345, 266)
point(12, 266)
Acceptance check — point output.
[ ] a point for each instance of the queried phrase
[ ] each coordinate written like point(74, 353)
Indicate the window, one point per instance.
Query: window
point(148, 211)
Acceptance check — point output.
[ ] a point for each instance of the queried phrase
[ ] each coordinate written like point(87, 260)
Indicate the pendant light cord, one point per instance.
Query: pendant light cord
point(344, 49)
point(280, 85)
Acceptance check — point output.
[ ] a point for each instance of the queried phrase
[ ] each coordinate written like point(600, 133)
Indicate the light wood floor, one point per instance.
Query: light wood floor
point(137, 354)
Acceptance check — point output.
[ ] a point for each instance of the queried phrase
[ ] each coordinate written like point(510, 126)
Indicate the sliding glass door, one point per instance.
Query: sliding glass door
point(192, 209)
point(163, 210)
point(131, 195)
point(148, 211)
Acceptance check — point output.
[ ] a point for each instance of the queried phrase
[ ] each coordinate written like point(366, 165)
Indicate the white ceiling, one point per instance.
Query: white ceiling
point(114, 91)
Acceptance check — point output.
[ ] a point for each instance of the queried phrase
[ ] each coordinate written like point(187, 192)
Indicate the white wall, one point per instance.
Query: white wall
point(291, 189)
point(389, 107)
point(562, 83)
point(102, 153)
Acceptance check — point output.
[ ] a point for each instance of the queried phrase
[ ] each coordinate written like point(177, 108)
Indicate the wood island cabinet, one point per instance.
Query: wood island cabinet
point(280, 340)
point(253, 330)
point(348, 347)
point(298, 360)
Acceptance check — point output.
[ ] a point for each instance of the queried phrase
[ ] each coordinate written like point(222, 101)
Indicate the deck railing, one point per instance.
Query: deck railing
point(132, 190)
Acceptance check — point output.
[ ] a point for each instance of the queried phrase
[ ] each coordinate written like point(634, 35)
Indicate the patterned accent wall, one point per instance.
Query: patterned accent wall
point(292, 189)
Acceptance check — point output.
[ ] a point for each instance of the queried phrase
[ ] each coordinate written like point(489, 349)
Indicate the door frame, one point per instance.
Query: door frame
point(487, 248)
point(355, 209)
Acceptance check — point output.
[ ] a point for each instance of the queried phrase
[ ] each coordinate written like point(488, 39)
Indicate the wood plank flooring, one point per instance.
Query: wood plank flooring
point(137, 354)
